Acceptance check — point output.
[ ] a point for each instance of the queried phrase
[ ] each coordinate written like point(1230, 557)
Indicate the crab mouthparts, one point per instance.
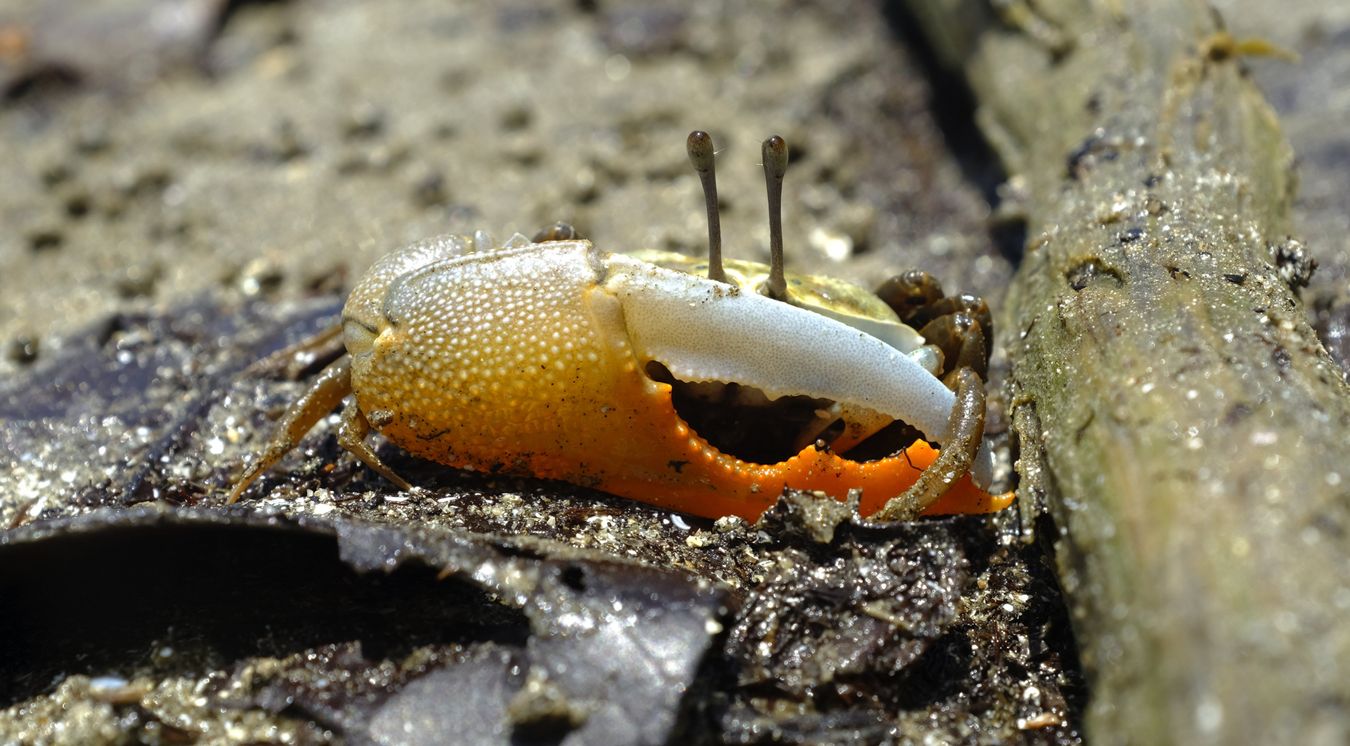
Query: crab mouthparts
point(705, 332)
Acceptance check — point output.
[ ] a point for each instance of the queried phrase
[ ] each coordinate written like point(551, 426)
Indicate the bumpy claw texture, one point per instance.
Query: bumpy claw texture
point(560, 361)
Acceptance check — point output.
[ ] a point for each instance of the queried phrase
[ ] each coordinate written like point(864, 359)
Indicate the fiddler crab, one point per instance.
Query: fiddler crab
point(706, 387)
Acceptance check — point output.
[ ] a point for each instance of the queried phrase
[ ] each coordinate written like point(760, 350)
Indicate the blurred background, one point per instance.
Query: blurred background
point(161, 148)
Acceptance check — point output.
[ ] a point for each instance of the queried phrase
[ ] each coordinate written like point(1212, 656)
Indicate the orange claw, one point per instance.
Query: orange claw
point(702, 481)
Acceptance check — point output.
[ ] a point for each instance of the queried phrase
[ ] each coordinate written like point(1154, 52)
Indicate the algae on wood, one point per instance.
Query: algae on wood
point(1172, 405)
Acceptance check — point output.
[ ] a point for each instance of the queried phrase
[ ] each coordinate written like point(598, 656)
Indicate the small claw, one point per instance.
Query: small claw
point(559, 231)
point(965, 302)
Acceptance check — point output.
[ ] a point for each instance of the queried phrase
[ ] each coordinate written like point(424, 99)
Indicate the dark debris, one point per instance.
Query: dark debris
point(1293, 262)
point(384, 627)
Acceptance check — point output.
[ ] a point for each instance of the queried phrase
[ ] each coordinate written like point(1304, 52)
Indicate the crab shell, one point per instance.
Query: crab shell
point(531, 360)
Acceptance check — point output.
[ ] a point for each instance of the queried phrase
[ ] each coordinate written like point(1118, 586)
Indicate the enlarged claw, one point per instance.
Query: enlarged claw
point(709, 332)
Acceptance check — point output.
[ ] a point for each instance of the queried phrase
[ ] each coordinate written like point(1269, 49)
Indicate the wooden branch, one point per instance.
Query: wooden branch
point(1172, 405)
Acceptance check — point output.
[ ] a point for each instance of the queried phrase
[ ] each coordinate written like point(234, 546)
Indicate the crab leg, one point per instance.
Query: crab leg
point(352, 435)
point(327, 391)
point(955, 458)
point(705, 331)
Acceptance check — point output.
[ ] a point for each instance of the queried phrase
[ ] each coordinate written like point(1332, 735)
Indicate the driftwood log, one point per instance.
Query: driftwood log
point(1172, 406)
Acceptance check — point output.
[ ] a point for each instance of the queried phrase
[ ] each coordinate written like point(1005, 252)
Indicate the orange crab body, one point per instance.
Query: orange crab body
point(534, 360)
point(707, 387)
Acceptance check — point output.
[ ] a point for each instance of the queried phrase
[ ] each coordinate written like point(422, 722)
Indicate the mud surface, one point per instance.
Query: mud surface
point(191, 196)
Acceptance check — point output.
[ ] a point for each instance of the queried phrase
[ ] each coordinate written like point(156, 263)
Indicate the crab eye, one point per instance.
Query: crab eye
point(359, 338)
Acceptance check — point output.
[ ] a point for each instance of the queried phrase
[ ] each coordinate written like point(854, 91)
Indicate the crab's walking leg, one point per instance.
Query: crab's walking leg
point(322, 397)
point(909, 293)
point(352, 437)
point(966, 428)
point(961, 338)
point(325, 345)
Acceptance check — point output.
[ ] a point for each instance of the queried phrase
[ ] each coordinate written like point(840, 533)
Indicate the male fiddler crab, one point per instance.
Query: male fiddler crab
point(706, 387)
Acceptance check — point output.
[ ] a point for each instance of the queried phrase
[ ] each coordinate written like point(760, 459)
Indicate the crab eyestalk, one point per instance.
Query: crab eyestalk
point(702, 155)
point(774, 153)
